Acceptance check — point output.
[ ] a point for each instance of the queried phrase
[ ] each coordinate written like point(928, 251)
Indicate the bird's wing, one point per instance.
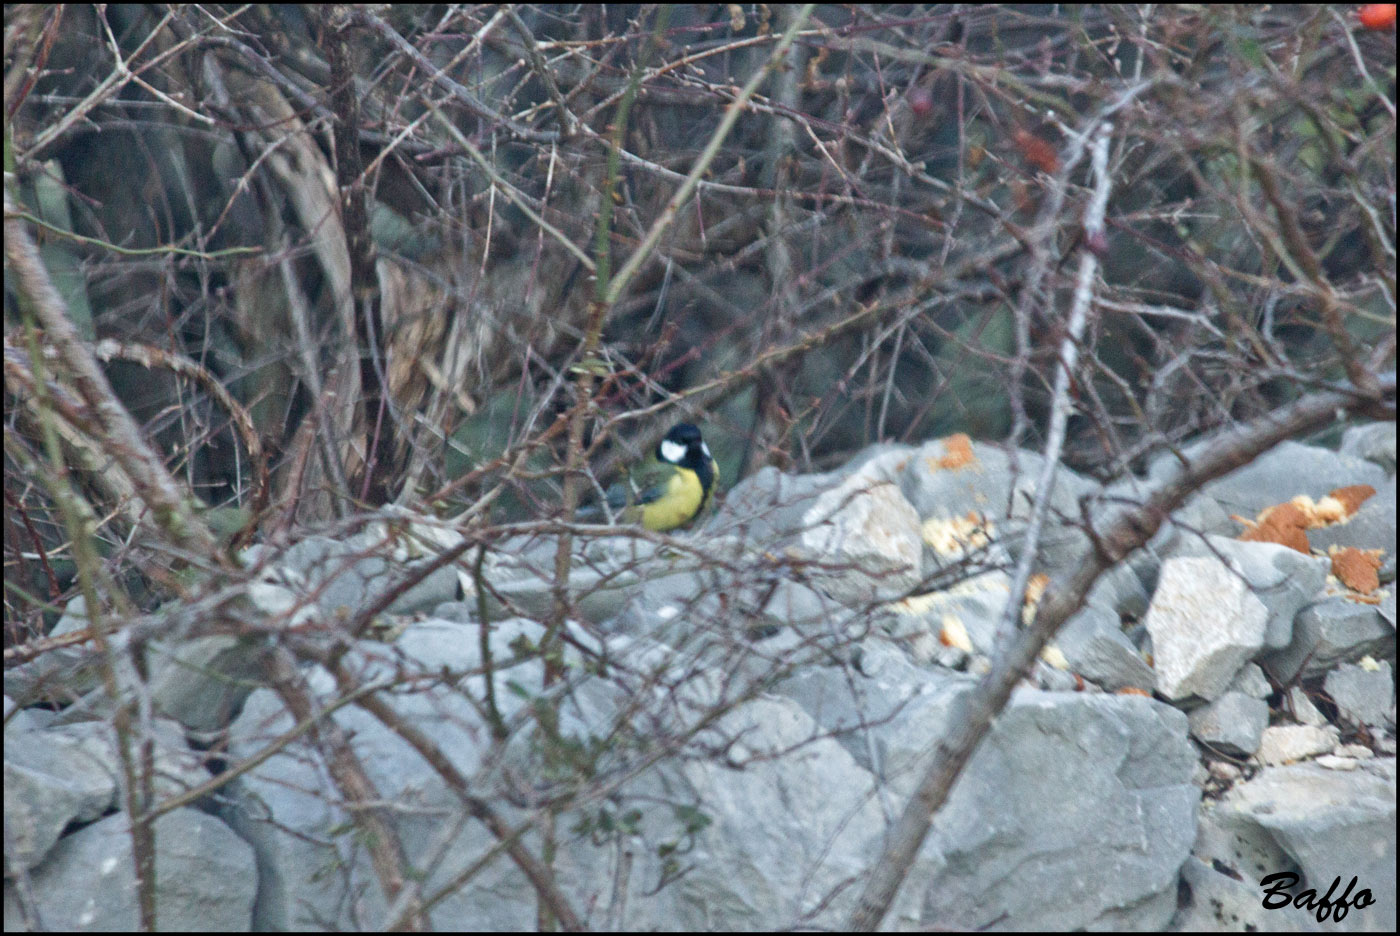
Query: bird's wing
point(644, 487)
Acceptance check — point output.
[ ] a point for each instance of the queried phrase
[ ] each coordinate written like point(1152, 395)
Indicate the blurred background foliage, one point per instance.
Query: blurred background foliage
point(852, 270)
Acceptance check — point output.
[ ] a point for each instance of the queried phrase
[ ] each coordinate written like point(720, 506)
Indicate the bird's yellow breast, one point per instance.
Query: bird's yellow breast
point(680, 501)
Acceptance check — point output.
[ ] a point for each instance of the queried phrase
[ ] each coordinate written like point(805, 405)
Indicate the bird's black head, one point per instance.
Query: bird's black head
point(683, 446)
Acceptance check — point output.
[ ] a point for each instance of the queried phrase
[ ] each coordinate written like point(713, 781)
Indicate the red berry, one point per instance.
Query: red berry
point(920, 102)
point(1377, 15)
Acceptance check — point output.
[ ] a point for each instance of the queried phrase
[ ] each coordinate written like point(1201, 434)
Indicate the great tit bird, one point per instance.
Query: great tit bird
point(685, 482)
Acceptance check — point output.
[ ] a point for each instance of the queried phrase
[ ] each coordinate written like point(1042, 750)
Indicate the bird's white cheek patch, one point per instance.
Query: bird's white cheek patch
point(672, 452)
point(706, 449)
